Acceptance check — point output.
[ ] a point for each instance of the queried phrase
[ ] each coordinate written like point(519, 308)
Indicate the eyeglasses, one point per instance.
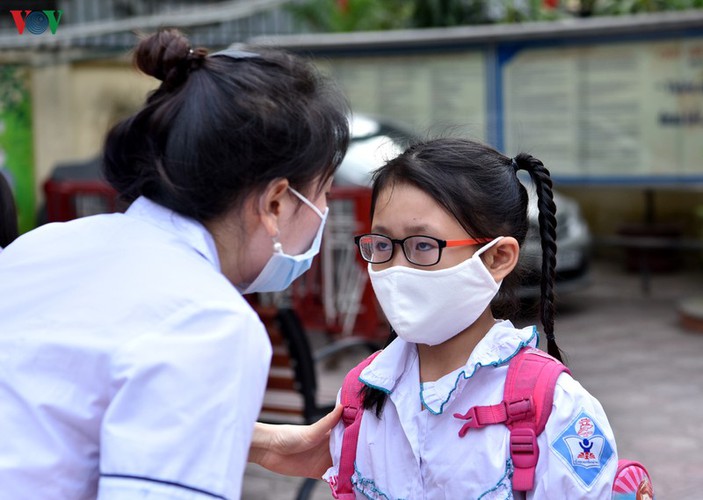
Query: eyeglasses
point(418, 250)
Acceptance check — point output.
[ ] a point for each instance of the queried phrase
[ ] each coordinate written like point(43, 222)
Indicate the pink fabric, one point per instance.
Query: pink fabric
point(532, 376)
point(527, 403)
point(351, 416)
point(630, 477)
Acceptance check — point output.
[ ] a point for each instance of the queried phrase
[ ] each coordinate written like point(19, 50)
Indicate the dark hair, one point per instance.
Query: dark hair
point(480, 188)
point(222, 127)
point(8, 214)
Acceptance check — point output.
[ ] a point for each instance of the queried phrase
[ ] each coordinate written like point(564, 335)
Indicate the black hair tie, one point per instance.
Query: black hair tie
point(196, 58)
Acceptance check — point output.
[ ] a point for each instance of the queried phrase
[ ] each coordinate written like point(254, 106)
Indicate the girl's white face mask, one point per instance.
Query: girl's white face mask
point(430, 307)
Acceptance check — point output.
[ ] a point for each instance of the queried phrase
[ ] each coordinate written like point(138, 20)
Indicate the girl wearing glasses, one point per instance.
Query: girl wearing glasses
point(448, 219)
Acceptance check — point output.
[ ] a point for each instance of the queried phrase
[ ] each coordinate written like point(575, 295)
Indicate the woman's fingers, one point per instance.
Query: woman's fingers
point(321, 429)
point(298, 450)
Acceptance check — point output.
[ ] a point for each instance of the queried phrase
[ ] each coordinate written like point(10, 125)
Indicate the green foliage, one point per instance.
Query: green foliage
point(352, 15)
point(374, 15)
point(16, 139)
point(13, 88)
point(618, 7)
point(436, 13)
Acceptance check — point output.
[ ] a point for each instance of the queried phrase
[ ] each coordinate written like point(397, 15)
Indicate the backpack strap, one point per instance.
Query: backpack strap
point(351, 417)
point(532, 377)
point(527, 403)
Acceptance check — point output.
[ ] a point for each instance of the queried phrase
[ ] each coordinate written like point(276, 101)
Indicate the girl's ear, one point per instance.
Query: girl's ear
point(502, 258)
point(270, 205)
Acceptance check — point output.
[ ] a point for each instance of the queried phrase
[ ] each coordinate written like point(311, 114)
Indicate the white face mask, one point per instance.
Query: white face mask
point(430, 307)
point(282, 269)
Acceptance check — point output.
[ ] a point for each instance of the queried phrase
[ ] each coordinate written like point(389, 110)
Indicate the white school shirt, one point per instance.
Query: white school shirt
point(130, 368)
point(412, 453)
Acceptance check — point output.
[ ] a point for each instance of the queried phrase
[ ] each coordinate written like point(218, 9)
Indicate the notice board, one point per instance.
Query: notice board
point(426, 93)
point(607, 112)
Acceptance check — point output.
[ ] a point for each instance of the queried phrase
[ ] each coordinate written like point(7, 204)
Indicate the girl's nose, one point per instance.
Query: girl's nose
point(399, 258)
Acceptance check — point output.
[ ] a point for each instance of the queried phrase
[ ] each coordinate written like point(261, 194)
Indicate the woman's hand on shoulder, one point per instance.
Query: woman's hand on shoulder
point(294, 450)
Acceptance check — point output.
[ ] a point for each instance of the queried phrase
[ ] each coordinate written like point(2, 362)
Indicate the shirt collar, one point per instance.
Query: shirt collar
point(192, 232)
point(496, 348)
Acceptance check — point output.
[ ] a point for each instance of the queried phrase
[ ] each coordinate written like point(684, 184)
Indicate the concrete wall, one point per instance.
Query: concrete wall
point(73, 106)
point(666, 212)
point(607, 209)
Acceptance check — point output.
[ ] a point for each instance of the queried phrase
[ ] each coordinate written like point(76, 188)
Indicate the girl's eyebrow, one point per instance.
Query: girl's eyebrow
point(418, 229)
point(379, 229)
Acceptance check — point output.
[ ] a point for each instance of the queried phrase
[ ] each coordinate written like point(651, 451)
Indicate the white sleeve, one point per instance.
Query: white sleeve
point(336, 437)
point(183, 405)
point(578, 456)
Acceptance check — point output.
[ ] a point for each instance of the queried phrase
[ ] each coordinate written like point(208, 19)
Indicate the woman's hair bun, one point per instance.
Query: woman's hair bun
point(165, 55)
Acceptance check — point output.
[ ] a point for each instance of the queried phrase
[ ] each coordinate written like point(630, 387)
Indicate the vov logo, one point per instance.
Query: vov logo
point(36, 21)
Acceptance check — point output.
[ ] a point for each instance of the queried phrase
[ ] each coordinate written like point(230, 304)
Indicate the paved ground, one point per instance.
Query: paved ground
point(627, 349)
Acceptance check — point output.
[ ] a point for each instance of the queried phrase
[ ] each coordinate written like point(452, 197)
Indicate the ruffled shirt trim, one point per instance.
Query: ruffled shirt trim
point(500, 344)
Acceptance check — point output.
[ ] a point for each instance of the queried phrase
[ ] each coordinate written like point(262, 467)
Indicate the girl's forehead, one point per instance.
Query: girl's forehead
point(403, 207)
point(403, 198)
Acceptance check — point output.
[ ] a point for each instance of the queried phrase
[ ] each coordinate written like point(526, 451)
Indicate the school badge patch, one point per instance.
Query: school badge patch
point(584, 448)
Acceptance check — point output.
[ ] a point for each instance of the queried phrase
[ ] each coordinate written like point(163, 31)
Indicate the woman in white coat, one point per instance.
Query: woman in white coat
point(130, 364)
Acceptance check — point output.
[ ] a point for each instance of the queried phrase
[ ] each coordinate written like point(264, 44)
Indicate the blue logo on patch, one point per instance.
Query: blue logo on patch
point(584, 448)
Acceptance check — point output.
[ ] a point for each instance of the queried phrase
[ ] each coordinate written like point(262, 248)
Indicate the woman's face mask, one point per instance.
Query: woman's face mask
point(430, 307)
point(282, 269)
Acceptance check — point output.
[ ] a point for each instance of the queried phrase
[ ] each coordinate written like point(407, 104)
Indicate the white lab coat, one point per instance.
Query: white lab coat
point(412, 453)
point(129, 366)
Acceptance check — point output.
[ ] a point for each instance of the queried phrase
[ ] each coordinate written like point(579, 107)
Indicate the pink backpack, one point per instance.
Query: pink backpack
point(526, 406)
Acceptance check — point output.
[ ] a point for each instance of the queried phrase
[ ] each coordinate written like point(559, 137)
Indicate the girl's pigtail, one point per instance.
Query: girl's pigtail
point(374, 399)
point(547, 229)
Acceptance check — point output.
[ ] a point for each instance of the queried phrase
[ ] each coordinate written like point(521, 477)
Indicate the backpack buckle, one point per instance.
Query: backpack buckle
point(481, 416)
point(472, 421)
point(518, 410)
point(523, 447)
point(349, 415)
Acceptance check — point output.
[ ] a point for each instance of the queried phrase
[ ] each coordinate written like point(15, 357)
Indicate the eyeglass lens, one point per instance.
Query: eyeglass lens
point(419, 250)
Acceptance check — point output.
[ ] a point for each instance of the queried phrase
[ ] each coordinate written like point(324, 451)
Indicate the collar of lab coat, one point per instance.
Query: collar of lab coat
point(192, 232)
point(496, 348)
